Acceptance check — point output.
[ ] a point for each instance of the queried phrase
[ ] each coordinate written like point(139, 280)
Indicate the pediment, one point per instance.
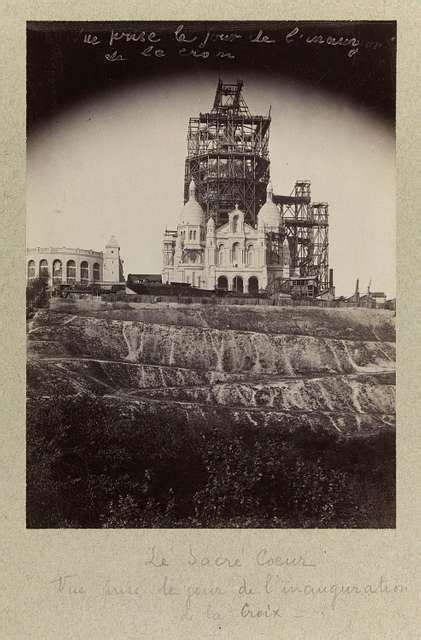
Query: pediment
point(224, 230)
point(249, 230)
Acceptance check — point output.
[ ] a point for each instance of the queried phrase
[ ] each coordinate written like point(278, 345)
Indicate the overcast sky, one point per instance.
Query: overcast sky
point(115, 165)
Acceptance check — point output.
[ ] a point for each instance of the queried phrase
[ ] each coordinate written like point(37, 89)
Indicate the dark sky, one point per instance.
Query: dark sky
point(62, 69)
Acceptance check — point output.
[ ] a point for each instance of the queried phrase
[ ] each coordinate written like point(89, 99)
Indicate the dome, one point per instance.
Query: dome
point(269, 213)
point(192, 213)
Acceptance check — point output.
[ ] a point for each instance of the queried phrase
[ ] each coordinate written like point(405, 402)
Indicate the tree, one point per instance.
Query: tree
point(36, 293)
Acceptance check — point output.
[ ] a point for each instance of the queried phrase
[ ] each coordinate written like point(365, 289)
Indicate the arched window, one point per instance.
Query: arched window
point(221, 254)
point(71, 272)
point(222, 283)
point(236, 253)
point(237, 284)
point(95, 272)
point(57, 272)
point(253, 285)
point(84, 272)
point(43, 269)
point(235, 224)
point(250, 256)
point(31, 270)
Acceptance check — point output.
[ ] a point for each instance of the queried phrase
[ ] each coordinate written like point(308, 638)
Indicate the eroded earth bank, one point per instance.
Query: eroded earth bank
point(296, 395)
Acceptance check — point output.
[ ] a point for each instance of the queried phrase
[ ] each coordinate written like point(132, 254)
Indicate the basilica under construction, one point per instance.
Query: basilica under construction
point(233, 232)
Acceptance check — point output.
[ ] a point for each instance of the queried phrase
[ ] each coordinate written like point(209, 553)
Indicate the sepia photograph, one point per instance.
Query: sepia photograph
point(210, 275)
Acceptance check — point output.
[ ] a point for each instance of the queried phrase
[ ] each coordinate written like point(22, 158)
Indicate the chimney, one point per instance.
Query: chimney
point(357, 290)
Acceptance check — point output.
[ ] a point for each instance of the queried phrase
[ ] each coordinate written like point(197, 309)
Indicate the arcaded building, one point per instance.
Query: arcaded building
point(61, 265)
point(233, 232)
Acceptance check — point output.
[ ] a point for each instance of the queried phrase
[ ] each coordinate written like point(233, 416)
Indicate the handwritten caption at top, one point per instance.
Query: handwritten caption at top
point(208, 44)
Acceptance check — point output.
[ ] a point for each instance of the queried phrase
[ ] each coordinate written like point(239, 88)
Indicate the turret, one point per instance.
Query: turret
point(210, 227)
point(192, 213)
point(192, 221)
point(269, 215)
point(113, 265)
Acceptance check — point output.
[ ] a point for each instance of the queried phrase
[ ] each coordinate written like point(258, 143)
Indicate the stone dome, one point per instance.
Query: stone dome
point(192, 213)
point(269, 213)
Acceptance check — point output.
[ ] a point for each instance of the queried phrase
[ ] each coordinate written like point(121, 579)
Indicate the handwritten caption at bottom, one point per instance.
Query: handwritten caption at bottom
point(264, 586)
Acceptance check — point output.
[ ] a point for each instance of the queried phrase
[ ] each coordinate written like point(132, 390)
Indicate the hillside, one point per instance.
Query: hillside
point(333, 367)
point(313, 371)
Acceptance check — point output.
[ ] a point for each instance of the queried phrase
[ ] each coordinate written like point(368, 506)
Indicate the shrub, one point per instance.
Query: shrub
point(92, 465)
point(36, 294)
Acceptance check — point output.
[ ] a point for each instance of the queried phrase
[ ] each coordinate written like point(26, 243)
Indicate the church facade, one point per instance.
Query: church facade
point(234, 256)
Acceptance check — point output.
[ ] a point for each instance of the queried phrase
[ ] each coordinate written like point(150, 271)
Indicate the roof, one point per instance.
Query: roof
point(367, 296)
point(145, 277)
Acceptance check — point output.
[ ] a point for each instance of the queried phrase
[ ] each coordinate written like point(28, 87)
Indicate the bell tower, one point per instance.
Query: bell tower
point(113, 266)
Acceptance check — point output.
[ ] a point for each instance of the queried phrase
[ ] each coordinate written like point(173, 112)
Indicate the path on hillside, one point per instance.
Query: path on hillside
point(340, 389)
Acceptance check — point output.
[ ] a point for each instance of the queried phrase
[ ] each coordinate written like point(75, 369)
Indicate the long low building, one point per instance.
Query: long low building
point(63, 265)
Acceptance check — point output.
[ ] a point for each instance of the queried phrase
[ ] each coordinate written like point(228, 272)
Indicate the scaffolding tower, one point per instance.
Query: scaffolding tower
point(306, 225)
point(228, 156)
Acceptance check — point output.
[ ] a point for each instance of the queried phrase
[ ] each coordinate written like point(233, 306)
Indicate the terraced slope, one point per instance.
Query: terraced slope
point(330, 369)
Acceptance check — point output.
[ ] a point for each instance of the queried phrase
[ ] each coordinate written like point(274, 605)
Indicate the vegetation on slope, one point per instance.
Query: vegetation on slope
point(92, 465)
point(36, 295)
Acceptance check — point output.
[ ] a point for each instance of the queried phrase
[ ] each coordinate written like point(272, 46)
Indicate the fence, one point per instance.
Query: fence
point(216, 300)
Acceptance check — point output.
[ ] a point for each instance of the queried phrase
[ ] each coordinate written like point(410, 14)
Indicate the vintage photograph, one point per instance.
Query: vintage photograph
point(210, 271)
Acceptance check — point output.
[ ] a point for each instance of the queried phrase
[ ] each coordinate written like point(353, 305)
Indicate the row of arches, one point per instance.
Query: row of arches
point(238, 284)
point(70, 271)
point(237, 256)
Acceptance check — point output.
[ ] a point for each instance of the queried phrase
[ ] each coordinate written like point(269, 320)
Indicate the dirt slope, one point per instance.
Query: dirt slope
point(330, 369)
